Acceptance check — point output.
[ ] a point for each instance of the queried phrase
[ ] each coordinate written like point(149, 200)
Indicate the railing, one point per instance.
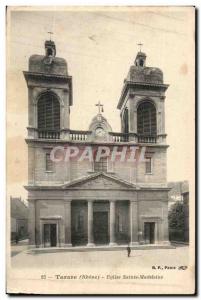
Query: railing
point(49, 134)
point(119, 137)
point(79, 135)
point(147, 139)
point(124, 137)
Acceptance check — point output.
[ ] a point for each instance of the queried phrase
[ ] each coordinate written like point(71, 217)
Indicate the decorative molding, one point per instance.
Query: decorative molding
point(51, 217)
point(49, 78)
point(142, 85)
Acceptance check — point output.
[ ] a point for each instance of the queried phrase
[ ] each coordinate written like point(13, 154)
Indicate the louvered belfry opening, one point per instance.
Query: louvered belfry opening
point(125, 121)
point(146, 119)
point(48, 116)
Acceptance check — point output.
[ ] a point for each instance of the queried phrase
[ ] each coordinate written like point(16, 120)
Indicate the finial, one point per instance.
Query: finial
point(50, 33)
point(140, 45)
point(100, 107)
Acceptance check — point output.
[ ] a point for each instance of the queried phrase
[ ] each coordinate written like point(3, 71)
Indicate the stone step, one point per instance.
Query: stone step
point(98, 248)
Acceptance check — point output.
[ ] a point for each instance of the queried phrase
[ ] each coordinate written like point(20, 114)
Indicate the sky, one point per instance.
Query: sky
point(100, 45)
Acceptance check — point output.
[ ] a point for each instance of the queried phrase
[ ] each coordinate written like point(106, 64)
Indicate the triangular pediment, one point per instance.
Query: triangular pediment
point(99, 181)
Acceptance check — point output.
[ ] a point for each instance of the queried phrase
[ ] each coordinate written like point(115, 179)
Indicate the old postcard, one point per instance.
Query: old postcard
point(101, 150)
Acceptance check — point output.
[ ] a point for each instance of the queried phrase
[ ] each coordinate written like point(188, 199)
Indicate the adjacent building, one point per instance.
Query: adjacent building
point(179, 211)
point(185, 196)
point(94, 202)
point(19, 218)
point(177, 188)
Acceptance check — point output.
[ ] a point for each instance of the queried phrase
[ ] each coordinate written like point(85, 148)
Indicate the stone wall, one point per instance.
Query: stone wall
point(47, 211)
point(64, 171)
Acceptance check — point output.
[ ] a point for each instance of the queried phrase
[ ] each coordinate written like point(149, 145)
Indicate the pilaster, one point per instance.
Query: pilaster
point(67, 224)
point(32, 223)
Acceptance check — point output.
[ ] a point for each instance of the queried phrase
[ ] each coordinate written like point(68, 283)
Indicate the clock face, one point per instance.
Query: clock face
point(99, 131)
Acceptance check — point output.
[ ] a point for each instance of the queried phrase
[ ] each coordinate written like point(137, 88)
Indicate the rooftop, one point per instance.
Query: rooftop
point(48, 63)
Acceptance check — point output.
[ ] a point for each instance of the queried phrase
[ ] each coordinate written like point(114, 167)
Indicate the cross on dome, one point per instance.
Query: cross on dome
point(100, 107)
point(50, 33)
point(140, 45)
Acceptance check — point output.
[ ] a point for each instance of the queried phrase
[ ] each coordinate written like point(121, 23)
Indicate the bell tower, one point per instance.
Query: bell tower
point(140, 59)
point(142, 103)
point(49, 100)
point(50, 48)
point(49, 95)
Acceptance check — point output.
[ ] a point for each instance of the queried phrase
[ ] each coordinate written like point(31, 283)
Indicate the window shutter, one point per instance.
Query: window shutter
point(148, 165)
point(49, 163)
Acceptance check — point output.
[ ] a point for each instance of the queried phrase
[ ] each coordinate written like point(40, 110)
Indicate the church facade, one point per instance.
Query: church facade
point(77, 199)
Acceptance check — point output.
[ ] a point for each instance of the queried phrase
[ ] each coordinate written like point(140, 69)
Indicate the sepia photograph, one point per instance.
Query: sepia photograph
point(100, 119)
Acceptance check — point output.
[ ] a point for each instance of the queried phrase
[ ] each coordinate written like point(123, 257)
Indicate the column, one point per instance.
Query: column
point(32, 223)
point(67, 223)
point(134, 222)
point(112, 223)
point(90, 224)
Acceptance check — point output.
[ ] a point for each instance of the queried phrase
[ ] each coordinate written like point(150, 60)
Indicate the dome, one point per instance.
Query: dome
point(48, 63)
point(145, 75)
point(100, 121)
point(140, 73)
point(42, 64)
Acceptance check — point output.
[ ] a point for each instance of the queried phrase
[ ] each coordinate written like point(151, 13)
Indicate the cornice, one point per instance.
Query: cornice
point(142, 85)
point(56, 78)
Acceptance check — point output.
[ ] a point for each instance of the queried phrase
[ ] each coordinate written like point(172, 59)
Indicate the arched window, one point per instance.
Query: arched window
point(141, 62)
point(49, 52)
point(146, 119)
point(48, 112)
point(125, 121)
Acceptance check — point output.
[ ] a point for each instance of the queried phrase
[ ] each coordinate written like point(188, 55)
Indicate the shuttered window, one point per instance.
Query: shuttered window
point(146, 119)
point(48, 112)
point(101, 165)
point(148, 165)
point(48, 163)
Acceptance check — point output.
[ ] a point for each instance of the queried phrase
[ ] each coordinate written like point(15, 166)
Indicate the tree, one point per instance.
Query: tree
point(176, 221)
point(176, 216)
